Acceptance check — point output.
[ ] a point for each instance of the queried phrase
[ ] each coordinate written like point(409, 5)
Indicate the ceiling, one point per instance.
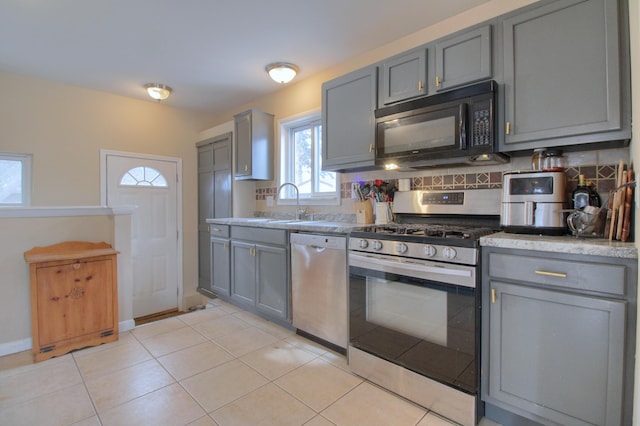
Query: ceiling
point(211, 52)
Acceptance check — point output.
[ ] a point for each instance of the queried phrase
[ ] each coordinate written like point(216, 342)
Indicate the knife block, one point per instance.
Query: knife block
point(364, 212)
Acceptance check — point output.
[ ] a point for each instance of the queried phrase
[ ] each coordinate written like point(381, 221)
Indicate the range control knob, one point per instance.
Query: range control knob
point(364, 244)
point(376, 245)
point(449, 253)
point(401, 248)
point(430, 250)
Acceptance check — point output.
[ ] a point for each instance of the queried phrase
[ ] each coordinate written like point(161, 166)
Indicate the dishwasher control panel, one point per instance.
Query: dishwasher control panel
point(319, 241)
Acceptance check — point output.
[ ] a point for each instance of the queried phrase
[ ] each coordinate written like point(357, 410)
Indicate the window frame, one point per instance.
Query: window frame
point(26, 160)
point(286, 127)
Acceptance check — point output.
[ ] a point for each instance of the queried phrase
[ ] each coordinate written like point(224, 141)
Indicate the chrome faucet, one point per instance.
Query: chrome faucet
point(299, 212)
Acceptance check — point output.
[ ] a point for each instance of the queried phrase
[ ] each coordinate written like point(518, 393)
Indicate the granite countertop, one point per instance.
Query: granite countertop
point(290, 224)
point(563, 244)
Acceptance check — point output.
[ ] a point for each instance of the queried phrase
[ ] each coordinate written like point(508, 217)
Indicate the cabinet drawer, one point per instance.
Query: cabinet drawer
point(588, 276)
point(260, 235)
point(219, 230)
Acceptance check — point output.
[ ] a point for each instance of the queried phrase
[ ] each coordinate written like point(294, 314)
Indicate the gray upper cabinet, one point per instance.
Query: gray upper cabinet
point(558, 337)
point(348, 122)
point(214, 198)
point(563, 75)
point(254, 145)
point(463, 58)
point(403, 77)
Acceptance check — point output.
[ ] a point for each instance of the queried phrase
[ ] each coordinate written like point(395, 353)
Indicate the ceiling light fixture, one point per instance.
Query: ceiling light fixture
point(282, 72)
point(157, 91)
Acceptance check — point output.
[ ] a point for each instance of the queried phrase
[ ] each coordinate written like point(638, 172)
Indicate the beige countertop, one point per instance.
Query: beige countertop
point(290, 224)
point(563, 244)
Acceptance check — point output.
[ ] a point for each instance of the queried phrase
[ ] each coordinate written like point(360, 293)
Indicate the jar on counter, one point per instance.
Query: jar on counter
point(553, 161)
point(536, 158)
point(548, 160)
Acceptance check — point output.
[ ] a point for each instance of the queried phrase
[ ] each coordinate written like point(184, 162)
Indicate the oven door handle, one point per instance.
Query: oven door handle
point(381, 264)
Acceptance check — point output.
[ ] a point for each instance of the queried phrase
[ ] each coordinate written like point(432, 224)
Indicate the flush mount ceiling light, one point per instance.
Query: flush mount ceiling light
point(158, 91)
point(282, 72)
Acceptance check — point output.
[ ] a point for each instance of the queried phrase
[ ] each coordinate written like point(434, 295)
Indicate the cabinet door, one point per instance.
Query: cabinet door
point(205, 183)
point(404, 77)
point(243, 272)
point(205, 211)
point(561, 73)
point(348, 122)
point(74, 300)
point(222, 178)
point(272, 281)
point(546, 347)
point(243, 150)
point(463, 59)
point(220, 264)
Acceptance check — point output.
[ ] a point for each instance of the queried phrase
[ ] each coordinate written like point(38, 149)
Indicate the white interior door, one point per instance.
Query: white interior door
point(151, 185)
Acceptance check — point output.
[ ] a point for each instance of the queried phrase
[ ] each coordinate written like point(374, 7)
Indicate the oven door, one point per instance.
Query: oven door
point(418, 314)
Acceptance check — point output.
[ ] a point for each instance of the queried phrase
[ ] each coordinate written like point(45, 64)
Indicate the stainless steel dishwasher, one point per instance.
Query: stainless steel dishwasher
point(319, 287)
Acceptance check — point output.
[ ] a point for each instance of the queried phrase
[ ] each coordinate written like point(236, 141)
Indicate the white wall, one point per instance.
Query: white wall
point(64, 128)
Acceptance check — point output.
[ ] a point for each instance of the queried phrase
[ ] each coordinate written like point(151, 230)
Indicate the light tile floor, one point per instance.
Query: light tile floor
point(217, 366)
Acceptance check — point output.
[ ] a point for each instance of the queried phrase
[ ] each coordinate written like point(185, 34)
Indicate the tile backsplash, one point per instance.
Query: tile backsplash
point(599, 167)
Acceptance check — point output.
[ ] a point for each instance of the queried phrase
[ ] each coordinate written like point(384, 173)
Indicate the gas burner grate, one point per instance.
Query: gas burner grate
point(431, 230)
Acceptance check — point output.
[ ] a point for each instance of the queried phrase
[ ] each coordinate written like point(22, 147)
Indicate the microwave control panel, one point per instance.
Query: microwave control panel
point(481, 122)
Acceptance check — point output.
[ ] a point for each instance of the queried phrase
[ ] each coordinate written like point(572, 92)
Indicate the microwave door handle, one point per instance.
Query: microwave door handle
point(462, 125)
point(529, 212)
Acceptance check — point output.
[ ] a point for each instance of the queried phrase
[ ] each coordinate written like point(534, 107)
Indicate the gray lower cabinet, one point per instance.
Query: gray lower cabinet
point(220, 267)
point(243, 274)
point(565, 75)
point(463, 58)
point(272, 287)
point(403, 77)
point(558, 338)
point(260, 271)
point(348, 122)
point(214, 198)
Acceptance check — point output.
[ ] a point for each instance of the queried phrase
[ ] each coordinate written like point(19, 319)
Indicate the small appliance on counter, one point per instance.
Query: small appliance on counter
point(533, 202)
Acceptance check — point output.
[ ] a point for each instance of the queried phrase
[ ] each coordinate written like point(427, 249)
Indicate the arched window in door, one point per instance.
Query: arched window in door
point(143, 176)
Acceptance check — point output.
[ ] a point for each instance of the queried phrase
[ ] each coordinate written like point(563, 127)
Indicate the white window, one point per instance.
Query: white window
point(15, 180)
point(143, 176)
point(301, 163)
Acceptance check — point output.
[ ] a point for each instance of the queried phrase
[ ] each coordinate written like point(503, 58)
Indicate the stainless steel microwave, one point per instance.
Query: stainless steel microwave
point(455, 127)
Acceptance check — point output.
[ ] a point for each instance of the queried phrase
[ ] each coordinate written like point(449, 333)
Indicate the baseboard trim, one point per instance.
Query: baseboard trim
point(21, 345)
point(127, 325)
point(16, 346)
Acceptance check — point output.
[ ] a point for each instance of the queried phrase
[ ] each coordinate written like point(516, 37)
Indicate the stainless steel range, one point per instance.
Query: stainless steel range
point(414, 299)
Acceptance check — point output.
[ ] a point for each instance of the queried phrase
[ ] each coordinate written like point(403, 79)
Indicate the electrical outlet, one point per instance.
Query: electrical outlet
point(269, 200)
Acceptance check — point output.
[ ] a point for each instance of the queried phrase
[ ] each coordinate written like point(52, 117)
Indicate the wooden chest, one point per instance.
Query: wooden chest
point(74, 297)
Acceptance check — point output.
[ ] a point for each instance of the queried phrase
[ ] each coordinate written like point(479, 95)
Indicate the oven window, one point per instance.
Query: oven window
point(427, 327)
point(417, 311)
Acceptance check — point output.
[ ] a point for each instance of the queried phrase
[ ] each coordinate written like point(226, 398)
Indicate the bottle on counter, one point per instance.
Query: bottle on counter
point(580, 196)
point(584, 195)
point(594, 197)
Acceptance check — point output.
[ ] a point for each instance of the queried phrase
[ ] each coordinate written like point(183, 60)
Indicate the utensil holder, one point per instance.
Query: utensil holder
point(364, 212)
point(383, 213)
